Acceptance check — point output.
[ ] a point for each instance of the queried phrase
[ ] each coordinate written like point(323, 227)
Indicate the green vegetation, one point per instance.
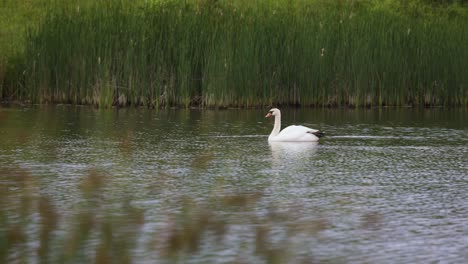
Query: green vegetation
point(237, 53)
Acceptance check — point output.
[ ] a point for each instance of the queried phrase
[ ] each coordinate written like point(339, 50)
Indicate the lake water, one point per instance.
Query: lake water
point(383, 185)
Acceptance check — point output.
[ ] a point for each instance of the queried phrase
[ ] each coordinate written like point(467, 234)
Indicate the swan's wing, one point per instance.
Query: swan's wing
point(298, 133)
point(299, 129)
point(296, 130)
point(315, 132)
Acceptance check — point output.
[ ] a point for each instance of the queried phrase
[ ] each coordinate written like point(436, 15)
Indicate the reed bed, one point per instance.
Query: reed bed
point(243, 53)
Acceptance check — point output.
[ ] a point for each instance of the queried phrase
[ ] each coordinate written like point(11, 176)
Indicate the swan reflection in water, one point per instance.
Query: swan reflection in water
point(292, 152)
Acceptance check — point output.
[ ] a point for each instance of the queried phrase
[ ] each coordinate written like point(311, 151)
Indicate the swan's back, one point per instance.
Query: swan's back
point(295, 133)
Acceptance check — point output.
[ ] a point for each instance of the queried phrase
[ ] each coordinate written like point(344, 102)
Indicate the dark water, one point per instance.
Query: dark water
point(383, 186)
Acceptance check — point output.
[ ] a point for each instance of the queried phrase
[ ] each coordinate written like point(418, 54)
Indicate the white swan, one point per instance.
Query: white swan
point(291, 133)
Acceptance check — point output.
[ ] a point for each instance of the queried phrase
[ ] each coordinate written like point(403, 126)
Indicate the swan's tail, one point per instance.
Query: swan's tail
point(317, 133)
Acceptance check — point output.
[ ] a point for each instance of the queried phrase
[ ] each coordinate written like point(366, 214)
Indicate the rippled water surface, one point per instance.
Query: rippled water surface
point(383, 186)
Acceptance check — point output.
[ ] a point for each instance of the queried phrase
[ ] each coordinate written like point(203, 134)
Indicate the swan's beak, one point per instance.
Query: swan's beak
point(268, 115)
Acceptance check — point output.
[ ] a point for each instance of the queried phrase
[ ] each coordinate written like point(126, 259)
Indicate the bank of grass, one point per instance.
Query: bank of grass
point(240, 53)
point(14, 18)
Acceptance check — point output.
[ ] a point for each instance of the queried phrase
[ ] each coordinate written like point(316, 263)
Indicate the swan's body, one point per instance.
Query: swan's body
point(291, 133)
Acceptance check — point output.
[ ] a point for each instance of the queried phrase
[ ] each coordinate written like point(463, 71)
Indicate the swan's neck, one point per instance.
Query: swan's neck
point(277, 126)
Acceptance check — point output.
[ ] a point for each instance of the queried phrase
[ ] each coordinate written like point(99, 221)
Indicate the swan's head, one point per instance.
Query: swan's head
point(273, 112)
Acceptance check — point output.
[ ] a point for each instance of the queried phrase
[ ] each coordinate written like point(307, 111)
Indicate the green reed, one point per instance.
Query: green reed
point(237, 53)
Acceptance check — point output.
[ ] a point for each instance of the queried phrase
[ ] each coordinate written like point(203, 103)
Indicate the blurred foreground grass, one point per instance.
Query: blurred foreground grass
point(34, 229)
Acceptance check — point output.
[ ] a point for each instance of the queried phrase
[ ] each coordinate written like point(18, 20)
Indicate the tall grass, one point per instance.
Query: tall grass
point(238, 53)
